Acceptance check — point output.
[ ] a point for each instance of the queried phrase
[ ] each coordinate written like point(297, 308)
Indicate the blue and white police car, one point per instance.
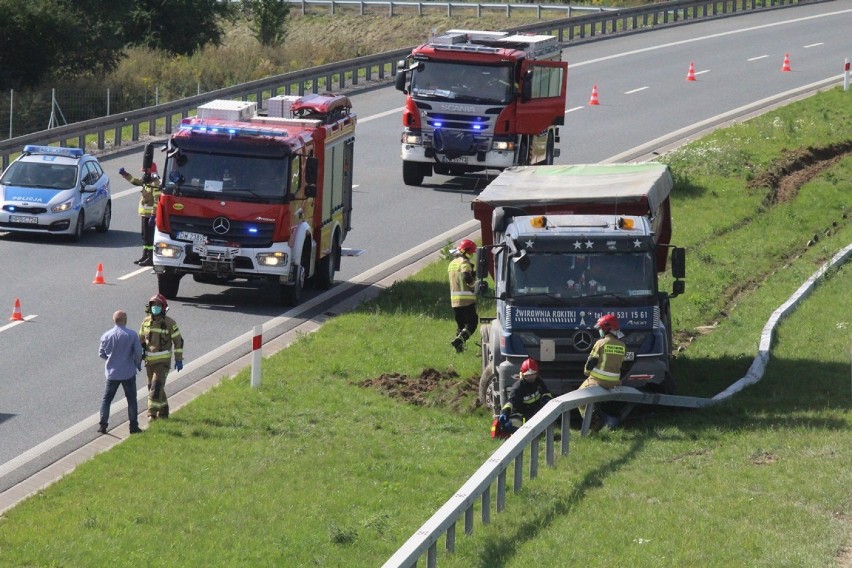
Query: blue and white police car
point(55, 190)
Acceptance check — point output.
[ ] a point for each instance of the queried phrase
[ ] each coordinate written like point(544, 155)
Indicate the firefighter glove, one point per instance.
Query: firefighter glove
point(503, 419)
point(122, 172)
point(178, 366)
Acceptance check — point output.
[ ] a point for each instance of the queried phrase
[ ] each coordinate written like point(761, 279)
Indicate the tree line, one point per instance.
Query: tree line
point(44, 40)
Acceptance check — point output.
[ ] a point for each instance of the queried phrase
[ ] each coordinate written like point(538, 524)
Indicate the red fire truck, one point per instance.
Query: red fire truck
point(479, 100)
point(264, 197)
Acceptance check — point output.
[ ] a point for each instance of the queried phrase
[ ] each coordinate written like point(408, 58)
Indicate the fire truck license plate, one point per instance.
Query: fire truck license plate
point(629, 356)
point(187, 236)
point(20, 219)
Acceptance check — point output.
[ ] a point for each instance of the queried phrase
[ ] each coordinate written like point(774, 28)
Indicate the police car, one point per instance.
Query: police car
point(55, 190)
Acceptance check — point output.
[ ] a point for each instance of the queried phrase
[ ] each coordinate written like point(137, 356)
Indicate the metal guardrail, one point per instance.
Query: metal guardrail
point(398, 8)
point(112, 132)
point(511, 452)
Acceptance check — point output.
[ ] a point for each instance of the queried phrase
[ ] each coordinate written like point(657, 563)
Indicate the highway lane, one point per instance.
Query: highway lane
point(50, 377)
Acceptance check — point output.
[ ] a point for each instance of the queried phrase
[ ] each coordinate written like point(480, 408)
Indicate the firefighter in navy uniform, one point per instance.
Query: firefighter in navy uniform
point(159, 335)
point(527, 396)
point(462, 296)
point(603, 367)
point(150, 184)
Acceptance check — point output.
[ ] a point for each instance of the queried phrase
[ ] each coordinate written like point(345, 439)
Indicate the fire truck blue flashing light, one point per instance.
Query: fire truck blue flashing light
point(54, 151)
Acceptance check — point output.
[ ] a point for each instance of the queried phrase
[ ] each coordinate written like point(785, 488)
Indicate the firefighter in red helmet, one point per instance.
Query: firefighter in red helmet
point(160, 336)
point(462, 295)
point(603, 367)
point(527, 396)
point(150, 195)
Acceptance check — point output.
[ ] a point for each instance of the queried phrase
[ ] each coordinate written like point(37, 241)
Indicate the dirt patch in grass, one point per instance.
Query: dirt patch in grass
point(796, 168)
point(430, 388)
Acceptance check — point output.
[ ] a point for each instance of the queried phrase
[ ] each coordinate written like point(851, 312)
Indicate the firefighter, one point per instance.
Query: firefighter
point(527, 396)
point(462, 297)
point(603, 367)
point(150, 184)
point(159, 334)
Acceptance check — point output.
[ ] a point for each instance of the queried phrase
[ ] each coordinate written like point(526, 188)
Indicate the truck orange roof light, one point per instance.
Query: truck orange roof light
point(538, 222)
point(625, 223)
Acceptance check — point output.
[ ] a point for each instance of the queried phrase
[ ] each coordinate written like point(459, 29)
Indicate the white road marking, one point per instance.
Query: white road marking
point(573, 109)
point(757, 58)
point(814, 45)
point(636, 90)
point(142, 270)
point(14, 323)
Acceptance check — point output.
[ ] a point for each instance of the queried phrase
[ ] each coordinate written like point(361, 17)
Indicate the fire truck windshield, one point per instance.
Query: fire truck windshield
point(572, 275)
point(240, 177)
point(462, 82)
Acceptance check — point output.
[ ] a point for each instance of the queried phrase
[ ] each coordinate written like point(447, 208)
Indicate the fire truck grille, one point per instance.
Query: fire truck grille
point(243, 233)
point(474, 123)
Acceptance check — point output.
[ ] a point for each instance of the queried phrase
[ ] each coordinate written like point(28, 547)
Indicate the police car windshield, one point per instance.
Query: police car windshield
point(576, 275)
point(461, 82)
point(244, 178)
point(40, 175)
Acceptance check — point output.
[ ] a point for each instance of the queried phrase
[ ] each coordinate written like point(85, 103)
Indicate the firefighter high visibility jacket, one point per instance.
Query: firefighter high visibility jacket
point(158, 336)
point(150, 195)
point(461, 277)
point(604, 362)
point(527, 398)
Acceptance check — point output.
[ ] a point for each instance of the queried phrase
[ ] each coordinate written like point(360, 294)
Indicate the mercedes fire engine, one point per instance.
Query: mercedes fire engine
point(480, 100)
point(265, 197)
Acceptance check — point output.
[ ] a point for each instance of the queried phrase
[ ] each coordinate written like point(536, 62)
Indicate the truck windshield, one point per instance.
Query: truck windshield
point(574, 275)
point(245, 178)
point(462, 82)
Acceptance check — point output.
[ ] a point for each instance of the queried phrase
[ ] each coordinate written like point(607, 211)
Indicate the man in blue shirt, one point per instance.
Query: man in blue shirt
point(122, 351)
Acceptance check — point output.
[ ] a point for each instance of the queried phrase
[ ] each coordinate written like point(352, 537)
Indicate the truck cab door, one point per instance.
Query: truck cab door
point(543, 91)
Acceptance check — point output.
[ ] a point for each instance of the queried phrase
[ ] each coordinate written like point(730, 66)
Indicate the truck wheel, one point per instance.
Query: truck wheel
point(291, 294)
point(488, 390)
point(328, 265)
point(549, 152)
point(413, 172)
point(168, 284)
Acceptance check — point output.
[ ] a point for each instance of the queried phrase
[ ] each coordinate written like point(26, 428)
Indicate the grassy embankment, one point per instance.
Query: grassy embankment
point(316, 469)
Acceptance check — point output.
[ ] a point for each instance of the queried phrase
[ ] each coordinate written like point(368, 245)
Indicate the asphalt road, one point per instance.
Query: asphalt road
point(50, 375)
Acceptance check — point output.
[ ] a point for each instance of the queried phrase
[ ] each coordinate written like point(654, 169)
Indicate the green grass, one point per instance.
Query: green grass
point(315, 469)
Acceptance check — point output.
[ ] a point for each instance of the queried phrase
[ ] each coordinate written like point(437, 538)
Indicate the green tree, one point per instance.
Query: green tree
point(180, 27)
point(266, 19)
point(49, 38)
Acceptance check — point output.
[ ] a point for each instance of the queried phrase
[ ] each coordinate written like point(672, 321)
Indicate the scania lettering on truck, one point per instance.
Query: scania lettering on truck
point(480, 100)
point(258, 197)
point(567, 245)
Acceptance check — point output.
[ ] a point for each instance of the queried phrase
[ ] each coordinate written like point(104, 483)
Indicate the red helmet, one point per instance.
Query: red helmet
point(607, 323)
point(160, 299)
point(529, 369)
point(153, 169)
point(467, 246)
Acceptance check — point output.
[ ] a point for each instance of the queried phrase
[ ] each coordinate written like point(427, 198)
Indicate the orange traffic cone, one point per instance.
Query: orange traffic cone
point(99, 275)
point(594, 99)
point(786, 66)
point(690, 75)
point(16, 311)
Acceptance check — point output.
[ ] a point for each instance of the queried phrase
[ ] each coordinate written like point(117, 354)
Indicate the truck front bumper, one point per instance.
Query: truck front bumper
point(495, 159)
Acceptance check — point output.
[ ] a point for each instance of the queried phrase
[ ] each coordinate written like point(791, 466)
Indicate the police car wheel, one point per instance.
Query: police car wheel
point(78, 228)
point(105, 220)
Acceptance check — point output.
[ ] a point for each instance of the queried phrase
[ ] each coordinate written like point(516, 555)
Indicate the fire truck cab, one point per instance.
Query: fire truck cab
point(480, 100)
point(261, 197)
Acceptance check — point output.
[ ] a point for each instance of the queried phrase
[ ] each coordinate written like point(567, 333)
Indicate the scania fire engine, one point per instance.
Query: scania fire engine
point(254, 196)
point(480, 100)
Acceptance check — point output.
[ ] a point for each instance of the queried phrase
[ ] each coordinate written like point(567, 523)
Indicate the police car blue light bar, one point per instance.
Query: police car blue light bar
point(54, 151)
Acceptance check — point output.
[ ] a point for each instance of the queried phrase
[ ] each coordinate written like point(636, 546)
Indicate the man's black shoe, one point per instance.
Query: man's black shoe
point(102, 429)
point(136, 430)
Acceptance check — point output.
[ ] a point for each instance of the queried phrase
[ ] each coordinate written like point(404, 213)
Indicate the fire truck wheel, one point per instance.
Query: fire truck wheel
point(414, 172)
point(328, 265)
point(488, 394)
point(168, 284)
point(291, 294)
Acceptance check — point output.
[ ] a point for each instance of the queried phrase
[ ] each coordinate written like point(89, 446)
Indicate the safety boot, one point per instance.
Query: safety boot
point(458, 344)
point(142, 258)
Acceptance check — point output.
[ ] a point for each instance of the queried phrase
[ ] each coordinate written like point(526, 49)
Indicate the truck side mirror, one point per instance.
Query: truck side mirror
point(399, 81)
point(526, 86)
point(678, 287)
point(679, 262)
point(482, 264)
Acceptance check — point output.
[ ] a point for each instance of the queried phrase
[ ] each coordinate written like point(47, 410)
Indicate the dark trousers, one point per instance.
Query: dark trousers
point(147, 233)
point(129, 386)
point(466, 318)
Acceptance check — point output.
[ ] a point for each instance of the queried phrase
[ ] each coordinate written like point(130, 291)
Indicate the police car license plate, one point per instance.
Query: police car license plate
point(21, 219)
point(194, 237)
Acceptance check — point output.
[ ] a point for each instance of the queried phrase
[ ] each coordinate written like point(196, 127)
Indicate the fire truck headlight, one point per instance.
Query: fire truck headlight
point(272, 259)
point(168, 251)
point(503, 145)
point(408, 138)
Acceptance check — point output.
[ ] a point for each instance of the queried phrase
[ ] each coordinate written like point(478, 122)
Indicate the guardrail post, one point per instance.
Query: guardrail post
point(566, 433)
point(451, 538)
point(256, 356)
point(501, 491)
point(518, 482)
point(534, 458)
point(468, 521)
point(486, 506)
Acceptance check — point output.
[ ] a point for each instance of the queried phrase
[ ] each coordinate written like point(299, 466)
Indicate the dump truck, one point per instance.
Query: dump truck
point(566, 245)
